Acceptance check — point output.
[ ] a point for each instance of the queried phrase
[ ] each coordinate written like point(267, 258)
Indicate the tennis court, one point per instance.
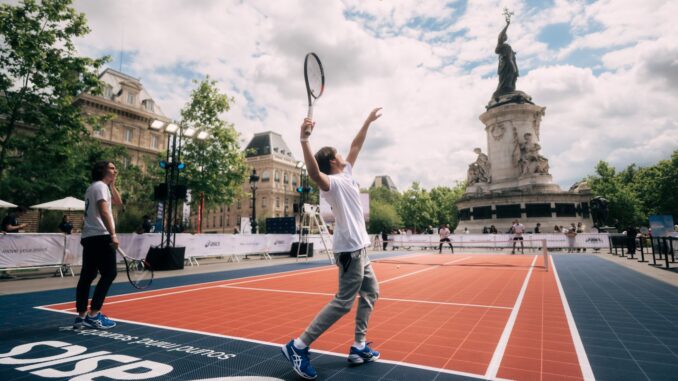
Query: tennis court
point(451, 316)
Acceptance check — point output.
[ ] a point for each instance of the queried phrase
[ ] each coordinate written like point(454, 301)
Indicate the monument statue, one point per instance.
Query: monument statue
point(479, 171)
point(526, 155)
point(507, 70)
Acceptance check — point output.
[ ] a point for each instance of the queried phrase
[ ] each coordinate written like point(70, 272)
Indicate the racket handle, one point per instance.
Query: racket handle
point(307, 131)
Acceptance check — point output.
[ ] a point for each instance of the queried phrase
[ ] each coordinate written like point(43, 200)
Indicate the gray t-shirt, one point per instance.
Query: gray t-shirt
point(94, 225)
point(343, 196)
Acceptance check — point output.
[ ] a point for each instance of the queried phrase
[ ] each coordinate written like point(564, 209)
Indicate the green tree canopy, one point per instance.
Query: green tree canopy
point(44, 150)
point(416, 208)
point(216, 165)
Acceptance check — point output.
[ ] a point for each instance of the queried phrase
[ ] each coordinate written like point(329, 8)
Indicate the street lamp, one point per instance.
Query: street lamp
point(253, 185)
point(301, 166)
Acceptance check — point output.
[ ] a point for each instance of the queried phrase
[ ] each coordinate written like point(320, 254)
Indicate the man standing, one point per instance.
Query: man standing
point(518, 229)
point(444, 233)
point(99, 243)
point(334, 177)
point(11, 223)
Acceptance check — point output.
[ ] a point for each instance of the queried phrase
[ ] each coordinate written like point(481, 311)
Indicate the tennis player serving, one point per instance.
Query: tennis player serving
point(334, 176)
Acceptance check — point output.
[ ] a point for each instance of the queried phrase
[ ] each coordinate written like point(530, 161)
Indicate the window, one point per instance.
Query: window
point(148, 105)
point(482, 213)
point(286, 178)
point(131, 98)
point(155, 141)
point(508, 211)
point(294, 180)
point(538, 210)
point(276, 176)
point(465, 214)
point(265, 177)
point(566, 210)
point(277, 201)
point(129, 134)
point(108, 92)
point(125, 162)
point(228, 221)
point(100, 132)
point(239, 206)
point(263, 202)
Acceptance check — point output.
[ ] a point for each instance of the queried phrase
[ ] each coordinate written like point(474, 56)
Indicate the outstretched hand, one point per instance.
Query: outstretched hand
point(374, 115)
point(306, 128)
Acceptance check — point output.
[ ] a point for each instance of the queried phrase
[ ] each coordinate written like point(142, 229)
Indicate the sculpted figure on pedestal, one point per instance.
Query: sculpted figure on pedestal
point(479, 171)
point(526, 155)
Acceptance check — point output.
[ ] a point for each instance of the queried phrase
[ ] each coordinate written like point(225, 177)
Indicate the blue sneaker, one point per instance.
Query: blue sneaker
point(100, 321)
point(300, 360)
point(79, 323)
point(359, 356)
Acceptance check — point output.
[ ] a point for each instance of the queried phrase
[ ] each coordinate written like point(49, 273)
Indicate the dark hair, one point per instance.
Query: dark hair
point(323, 157)
point(20, 209)
point(99, 170)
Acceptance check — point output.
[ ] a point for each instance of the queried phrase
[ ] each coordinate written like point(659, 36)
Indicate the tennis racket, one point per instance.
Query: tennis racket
point(139, 272)
point(314, 75)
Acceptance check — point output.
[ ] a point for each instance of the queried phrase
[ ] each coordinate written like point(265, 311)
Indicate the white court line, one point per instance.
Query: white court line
point(422, 270)
point(586, 370)
point(381, 298)
point(498, 355)
point(283, 275)
point(278, 345)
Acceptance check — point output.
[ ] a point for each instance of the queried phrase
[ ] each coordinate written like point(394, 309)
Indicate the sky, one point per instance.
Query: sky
point(606, 71)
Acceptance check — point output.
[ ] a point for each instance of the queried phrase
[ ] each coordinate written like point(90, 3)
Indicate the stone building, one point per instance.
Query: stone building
point(279, 176)
point(133, 109)
point(383, 181)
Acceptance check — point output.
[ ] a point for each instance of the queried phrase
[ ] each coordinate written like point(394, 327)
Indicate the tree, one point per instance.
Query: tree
point(40, 126)
point(444, 201)
point(624, 205)
point(215, 166)
point(383, 217)
point(416, 208)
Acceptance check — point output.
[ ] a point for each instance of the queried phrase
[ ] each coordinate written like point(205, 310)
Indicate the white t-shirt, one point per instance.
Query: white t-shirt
point(518, 229)
point(94, 225)
point(444, 233)
point(343, 197)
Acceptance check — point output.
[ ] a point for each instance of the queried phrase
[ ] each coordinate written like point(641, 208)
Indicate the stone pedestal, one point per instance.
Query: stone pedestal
point(506, 126)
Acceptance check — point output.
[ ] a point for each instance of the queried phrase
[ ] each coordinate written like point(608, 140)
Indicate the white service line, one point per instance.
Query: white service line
point(586, 370)
point(278, 345)
point(380, 298)
point(432, 267)
point(499, 351)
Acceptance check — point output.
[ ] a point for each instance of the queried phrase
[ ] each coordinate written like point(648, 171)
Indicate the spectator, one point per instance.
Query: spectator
point(537, 229)
point(556, 229)
point(429, 230)
point(493, 229)
point(580, 229)
point(11, 223)
point(384, 239)
point(466, 231)
point(631, 233)
point(147, 224)
point(486, 230)
point(66, 226)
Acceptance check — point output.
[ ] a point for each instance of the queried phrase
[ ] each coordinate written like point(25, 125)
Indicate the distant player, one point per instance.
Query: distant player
point(334, 176)
point(444, 233)
point(518, 229)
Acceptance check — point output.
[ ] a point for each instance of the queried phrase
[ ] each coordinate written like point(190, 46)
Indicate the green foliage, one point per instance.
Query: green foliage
point(215, 166)
point(129, 220)
point(49, 221)
point(637, 192)
point(44, 150)
point(445, 199)
point(416, 208)
point(383, 217)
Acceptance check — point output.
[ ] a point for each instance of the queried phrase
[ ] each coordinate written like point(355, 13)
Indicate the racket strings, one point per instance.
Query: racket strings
point(314, 76)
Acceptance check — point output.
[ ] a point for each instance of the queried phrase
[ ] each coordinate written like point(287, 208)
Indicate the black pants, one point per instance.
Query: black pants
point(440, 248)
point(98, 256)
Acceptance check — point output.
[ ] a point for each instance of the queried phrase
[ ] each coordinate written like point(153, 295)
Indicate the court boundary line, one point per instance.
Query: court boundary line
point(432, 267)
point(277, 345)
point(495, 362)
point(584, 364)
point(380, 298)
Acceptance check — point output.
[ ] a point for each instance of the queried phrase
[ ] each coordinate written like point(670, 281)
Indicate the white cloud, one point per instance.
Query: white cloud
point(432, 78)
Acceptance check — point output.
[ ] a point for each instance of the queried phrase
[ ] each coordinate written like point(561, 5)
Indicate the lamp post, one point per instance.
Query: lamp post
point(253, 185)
point(301, 189)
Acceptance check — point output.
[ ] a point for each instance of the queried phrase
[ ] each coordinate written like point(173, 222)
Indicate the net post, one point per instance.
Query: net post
point(546, 254)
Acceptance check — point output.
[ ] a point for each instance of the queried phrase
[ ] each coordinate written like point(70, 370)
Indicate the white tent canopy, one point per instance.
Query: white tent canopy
point(5, 204)
point(68, 203)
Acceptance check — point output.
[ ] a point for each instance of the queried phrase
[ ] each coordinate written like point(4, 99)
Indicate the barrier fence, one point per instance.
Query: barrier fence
point(31, 250)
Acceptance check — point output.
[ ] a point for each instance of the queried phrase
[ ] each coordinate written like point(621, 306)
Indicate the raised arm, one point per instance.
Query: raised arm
point(314, 173)
point(359, 139)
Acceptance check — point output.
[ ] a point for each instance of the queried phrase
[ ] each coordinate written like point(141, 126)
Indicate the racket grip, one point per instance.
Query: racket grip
point(309, 115)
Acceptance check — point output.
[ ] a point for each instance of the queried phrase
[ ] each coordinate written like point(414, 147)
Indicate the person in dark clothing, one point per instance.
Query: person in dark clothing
point(65, 226)
point(537, 229)
point(146, 225)
point(631, 233)
point(11, 223)
point(384, 240)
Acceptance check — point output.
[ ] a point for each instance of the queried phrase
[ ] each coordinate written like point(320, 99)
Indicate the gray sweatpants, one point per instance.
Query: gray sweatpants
point(356, 278)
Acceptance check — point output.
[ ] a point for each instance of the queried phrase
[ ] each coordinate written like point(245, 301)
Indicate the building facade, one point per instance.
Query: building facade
point(279, 176)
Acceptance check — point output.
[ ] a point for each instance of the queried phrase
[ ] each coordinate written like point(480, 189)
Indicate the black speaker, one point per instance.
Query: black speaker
point(160, 192)
point(302, 250)
point(180, 191)
point(295, 208)
point(166, 258)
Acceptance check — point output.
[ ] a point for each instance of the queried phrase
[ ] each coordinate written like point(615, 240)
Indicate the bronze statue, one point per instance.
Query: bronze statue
point(507, 69)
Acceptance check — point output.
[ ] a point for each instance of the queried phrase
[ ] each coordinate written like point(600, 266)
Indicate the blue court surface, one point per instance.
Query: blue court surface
point(626, 322)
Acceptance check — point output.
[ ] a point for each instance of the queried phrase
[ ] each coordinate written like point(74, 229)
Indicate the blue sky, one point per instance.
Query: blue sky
point(604, 70)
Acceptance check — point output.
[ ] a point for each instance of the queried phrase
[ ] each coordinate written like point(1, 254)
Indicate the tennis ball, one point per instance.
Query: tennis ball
point(398, 266)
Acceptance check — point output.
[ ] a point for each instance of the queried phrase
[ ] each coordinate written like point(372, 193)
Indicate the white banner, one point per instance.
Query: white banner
point(582, 240)
point(28, 250)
